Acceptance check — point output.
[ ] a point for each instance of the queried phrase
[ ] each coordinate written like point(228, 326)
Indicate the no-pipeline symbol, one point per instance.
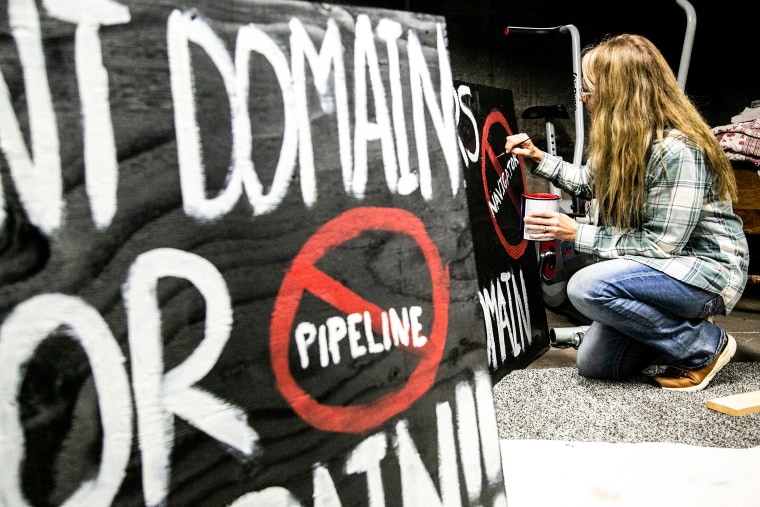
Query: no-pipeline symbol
point(496, 118)
point(304, 276)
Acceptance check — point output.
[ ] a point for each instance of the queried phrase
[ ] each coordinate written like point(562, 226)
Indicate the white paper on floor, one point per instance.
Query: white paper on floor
point(589, 474)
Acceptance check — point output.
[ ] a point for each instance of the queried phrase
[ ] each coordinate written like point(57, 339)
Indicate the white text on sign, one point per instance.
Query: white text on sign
point(505, 308)
point(396, 331)
point(37, 175)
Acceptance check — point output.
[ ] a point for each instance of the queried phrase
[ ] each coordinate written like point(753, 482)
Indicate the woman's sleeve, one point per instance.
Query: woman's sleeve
point(571, 178)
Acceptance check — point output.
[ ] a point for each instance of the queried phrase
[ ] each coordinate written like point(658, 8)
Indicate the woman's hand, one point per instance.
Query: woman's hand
point(520, 144)
point(547, 225)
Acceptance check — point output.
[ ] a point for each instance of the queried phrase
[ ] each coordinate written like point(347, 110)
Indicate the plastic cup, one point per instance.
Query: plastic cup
point(537, 202)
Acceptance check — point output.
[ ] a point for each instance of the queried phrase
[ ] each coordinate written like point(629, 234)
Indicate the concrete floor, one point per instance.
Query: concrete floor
point(743, 323)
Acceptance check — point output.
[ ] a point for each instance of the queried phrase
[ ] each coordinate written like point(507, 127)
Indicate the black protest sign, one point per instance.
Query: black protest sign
point(510, 288)
point(236, 260)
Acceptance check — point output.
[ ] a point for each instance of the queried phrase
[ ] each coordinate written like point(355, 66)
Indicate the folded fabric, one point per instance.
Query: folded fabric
point(749, 113)
point(740, 141)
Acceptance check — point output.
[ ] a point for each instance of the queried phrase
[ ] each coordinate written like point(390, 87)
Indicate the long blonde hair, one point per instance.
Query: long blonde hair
point(636, 98)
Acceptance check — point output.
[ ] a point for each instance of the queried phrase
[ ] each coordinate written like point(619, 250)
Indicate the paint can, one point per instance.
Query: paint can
point(537, 202)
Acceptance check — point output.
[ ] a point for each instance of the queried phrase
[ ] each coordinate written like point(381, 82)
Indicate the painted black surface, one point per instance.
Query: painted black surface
point(506, 255)
point(58, 403)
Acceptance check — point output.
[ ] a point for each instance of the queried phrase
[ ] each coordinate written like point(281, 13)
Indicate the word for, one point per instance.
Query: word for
point(505, 307)
point(497, 195)
point(469, 446)
point(396, 331)
point(159, 395)
point(38, 178)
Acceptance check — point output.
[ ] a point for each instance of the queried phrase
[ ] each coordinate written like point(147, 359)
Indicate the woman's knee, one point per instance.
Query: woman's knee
point(594, 359)
point(583, 286)
point(599, 282)
point(588, 367)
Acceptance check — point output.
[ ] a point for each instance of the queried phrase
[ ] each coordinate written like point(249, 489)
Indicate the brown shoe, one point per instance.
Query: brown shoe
point(679, 380)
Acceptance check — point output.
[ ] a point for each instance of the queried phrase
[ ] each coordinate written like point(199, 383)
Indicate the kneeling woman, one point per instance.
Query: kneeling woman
point(672, 252)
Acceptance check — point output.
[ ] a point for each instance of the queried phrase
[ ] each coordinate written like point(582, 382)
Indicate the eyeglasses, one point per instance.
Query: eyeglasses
point(583, 94)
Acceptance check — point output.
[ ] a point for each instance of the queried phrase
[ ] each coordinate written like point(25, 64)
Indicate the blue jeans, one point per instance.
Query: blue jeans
point(642, 317)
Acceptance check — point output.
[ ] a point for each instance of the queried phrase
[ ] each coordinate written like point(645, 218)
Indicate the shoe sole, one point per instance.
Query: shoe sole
point(723, 360)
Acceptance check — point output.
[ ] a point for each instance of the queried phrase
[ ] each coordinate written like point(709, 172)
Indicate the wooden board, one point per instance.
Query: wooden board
point(737, 404)
point(747, 205)
point(236, 266)
point(508, 277)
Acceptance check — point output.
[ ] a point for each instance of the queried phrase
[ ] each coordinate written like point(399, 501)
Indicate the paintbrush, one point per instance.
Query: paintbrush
point(518, 144)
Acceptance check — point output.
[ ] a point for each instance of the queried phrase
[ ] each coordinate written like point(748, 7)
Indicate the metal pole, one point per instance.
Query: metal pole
point(688, 43)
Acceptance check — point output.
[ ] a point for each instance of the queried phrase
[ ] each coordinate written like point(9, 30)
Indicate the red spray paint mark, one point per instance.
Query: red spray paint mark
point(304, 276)
point(514, 251)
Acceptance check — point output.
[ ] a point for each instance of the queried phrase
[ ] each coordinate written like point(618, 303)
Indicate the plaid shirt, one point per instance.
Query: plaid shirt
point(688, 233)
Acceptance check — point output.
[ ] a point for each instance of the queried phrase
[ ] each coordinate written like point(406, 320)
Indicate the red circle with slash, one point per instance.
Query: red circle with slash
point(303, 275)
point(495, 117)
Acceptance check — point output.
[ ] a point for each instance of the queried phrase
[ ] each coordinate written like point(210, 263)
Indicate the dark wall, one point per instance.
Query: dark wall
point(538, 69)
point(719, 78)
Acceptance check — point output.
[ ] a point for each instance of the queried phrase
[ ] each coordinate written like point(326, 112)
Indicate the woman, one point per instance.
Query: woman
point(674, 252)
